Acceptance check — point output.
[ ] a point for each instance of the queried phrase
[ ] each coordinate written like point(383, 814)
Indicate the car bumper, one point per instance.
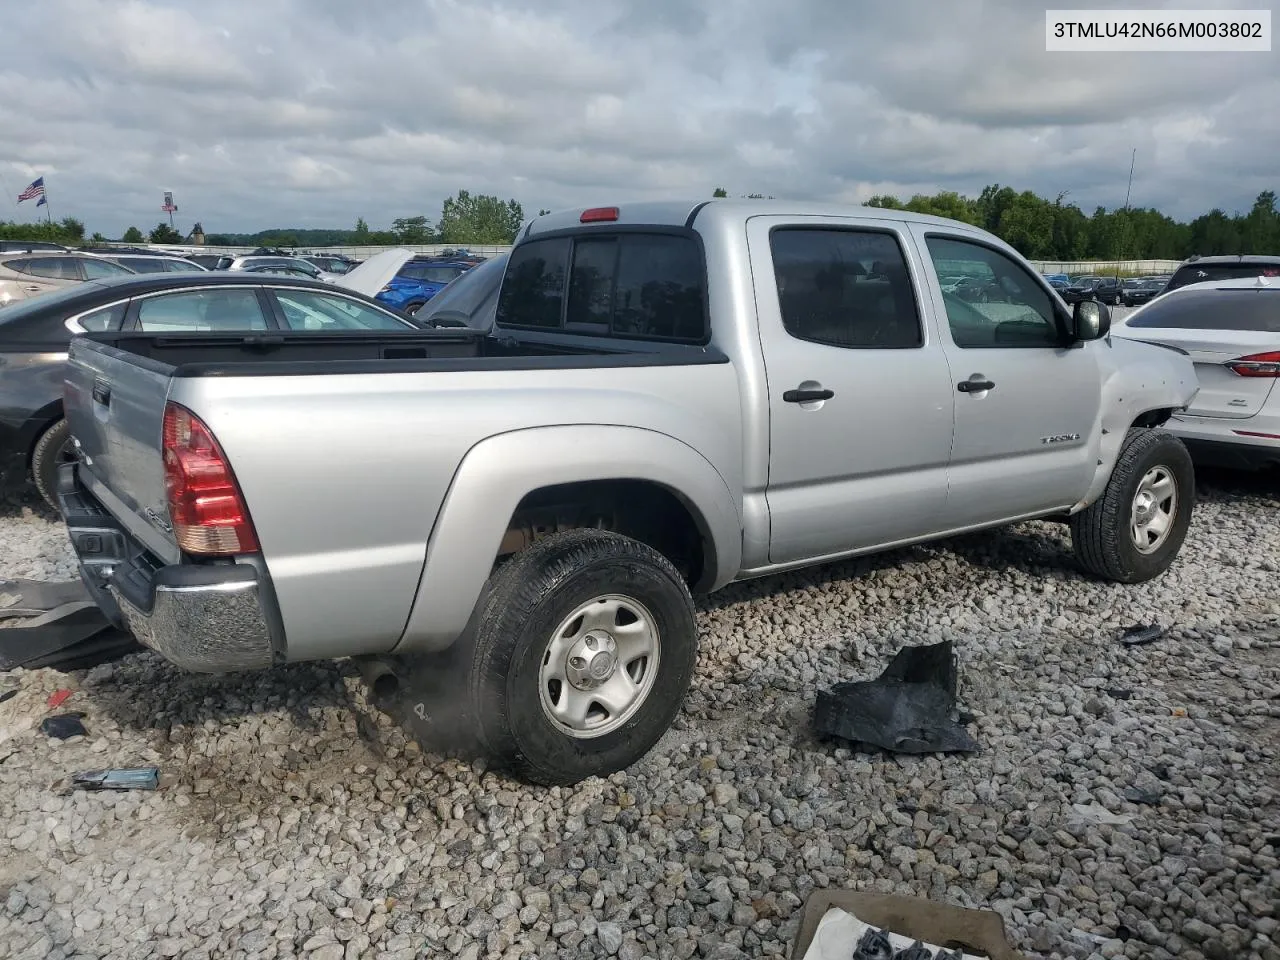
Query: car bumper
point(1230, 443)
point(203, 618)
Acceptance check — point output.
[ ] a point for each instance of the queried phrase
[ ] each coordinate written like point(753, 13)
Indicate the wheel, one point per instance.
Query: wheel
point(1135, 529)
point(413, 308)
point(51, 451)
point(581, 657)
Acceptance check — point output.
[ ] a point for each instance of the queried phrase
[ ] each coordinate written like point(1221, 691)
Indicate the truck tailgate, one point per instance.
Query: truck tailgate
point(115, 402)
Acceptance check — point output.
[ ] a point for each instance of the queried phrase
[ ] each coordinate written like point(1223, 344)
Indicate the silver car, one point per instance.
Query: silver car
point(27, 275)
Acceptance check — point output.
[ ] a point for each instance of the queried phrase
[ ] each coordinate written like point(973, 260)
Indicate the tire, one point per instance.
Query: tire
point(413, 308)
point(51, 450)
point(1104, 536)
point(530, 613)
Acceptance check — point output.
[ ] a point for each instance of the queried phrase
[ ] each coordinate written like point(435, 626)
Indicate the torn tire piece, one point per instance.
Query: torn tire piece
point(908, 709)
point(1141, 633)
point(29, 598)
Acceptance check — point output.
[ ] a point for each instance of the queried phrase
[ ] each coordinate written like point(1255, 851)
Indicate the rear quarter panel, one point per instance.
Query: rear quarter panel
point(344, 475)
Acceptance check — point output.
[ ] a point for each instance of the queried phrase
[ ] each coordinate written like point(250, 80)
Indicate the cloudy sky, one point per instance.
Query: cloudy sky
point(261, 113)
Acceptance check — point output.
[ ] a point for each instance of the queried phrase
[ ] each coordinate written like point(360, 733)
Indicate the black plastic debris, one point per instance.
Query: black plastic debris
point(64, 726)
point(873, 945)
point(8, 695)
point(1149, 798)
point(1120, 693)
point(72, 636)
point(1141, 633)
point(909, 708)
point(136, 778)
point(917, 951)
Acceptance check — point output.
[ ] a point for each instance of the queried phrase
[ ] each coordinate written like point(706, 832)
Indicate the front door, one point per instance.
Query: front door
point(860, 400)
point(1027, 397)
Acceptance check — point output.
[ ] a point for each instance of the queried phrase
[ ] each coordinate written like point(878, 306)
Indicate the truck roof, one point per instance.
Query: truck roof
point(677, 213)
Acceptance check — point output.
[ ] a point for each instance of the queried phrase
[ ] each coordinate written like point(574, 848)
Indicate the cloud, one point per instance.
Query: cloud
point(315, 112)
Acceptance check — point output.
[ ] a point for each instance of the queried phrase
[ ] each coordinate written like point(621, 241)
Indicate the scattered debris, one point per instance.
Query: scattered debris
point(848, 925)
point(58, 698)
point(136, 778)
point(64, 726)
point(1119, 693)
point(30, 598)
point(71, 636)
point(8, 695)
point(1179, 711)
point(909, 708)
point(1141, 633)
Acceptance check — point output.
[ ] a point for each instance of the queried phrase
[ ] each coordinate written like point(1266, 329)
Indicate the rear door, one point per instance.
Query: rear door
point(860, 402)
point(44, 274)
point(1215, 328)
point(1027, 399)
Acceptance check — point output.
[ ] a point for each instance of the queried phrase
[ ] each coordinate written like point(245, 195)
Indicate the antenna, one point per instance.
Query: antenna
point(1128, 223)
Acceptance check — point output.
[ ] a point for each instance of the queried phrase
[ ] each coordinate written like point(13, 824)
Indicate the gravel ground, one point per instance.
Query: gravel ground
point(1126, 802)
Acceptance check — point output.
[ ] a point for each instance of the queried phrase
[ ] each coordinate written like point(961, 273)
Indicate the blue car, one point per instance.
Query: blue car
point(1059, 281)
point(419, 280)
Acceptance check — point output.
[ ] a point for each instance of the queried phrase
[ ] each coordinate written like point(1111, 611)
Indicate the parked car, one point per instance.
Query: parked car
point(419, 280)
point(228, 262)
point(1059, 281)
point(979, 290)
point(1231, 331)
point(672, 397)
point(1134, 293)
point(207, 260)
point(331, 263)
point(1101, 289)
point(468, 300)
point(24, 276)
point(34, 336)
point(1202, 269)
point(153, 263)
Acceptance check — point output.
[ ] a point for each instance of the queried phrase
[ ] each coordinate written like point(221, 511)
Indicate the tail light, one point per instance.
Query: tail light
point(205, 504)
point(599, 215)
point(1256, 365)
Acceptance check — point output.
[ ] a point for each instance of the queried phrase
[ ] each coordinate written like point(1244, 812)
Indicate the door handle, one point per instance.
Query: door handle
point(974, 384)
point(102, 392)
point(32, 288)
point(807, 396)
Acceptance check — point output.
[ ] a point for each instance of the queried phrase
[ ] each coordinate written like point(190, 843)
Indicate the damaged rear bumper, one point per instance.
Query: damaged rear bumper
point(207, 618)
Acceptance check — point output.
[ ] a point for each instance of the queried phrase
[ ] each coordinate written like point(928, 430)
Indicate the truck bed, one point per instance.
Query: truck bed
point(302, 353)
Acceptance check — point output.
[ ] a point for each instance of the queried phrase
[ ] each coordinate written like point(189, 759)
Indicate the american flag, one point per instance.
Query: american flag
point(35, 189)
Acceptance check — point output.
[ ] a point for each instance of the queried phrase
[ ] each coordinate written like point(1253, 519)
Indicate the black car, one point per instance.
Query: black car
point(34, 335)
point(1202, 269)
point(1102, 289)
point(1134, 293)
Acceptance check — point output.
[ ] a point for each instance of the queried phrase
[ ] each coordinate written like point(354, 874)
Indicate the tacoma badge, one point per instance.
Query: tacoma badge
point(1061, 438)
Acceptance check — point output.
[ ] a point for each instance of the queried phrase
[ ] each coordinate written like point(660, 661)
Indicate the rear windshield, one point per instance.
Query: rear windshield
point(633, 285)
point(1256, 311)
point(1202, 272)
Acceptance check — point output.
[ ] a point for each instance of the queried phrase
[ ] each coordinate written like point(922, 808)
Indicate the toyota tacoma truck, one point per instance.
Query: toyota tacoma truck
point(672, 397)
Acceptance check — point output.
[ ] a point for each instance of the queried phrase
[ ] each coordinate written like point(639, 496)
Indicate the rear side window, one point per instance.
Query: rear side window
point(108, 318)
point(145, 264)
point(53, 268)
point(1254, 311)
point(533, 289)
point(1204, 272)
point(845, 288)
point(205, 311)
point(635, 285)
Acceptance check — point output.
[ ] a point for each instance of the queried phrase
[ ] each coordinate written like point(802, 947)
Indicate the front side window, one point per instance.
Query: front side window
point(206, 311)
point(1011, 309)
point(304, 310)
point(98, 269)
point(845, 288)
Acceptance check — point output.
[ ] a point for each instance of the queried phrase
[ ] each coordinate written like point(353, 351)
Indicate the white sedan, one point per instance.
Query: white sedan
point(1231, 331)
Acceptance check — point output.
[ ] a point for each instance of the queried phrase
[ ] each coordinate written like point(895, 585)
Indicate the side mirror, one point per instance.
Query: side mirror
point(1090, 320)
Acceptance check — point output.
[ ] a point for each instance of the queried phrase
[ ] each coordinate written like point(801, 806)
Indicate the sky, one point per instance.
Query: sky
point(311, 113)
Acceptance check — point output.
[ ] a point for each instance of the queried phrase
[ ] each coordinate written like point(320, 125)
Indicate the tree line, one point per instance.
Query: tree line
point(1039, 228)
point(1043, 229)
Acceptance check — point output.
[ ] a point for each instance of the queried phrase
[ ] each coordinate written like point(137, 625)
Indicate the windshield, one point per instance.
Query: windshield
point(1200, 272)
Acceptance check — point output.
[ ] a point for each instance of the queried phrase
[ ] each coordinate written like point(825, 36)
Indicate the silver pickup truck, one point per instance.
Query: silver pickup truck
point(672, 397)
